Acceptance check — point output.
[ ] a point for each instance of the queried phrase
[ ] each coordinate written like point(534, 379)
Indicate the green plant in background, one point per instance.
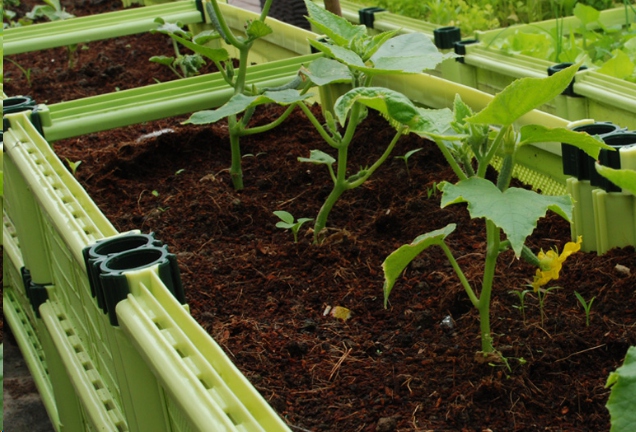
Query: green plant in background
point(405, 157)
point(245, 98)
point(287, 221)
point(505, 210)
point(609, 50)
point(188, 64)
point(622, 403)
point(51, 9)
point(353, 57)
point(587, 306)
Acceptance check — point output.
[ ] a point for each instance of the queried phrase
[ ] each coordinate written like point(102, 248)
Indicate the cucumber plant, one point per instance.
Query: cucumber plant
point(245, 98)
point(510, 214)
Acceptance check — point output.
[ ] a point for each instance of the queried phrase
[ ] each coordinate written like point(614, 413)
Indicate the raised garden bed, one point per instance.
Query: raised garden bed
point(263, 297)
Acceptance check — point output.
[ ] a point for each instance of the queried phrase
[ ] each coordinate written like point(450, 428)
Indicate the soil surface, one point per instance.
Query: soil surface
point(264, 298)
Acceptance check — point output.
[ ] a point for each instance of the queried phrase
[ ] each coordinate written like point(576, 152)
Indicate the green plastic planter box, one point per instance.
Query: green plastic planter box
point(95, 375)
point(593, 95)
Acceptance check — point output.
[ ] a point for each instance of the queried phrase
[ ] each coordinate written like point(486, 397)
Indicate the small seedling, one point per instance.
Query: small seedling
point(405, 157)
point(541, 294)
point(432, 190)
point(26, 72)
point(73, 165)
point(287, 221)
point(586, 307)
point(155, 193)
point(522, 301)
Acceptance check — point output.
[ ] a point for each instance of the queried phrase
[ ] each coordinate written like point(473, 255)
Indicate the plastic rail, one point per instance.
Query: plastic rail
point(96, 27)
point(82, 116)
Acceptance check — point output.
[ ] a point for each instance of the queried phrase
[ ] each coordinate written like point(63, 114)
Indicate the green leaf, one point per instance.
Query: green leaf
point(397, 261)
point(336, 28)
point(205, 36)
point(240, 102)
point(169, 28)
point(589, 144)
point(516, 211)
point(619, 66)
point(161, 59)
point(341, 54)
point(408, 53)
point(325, 71)
point(622, 178)
point(257, 29)
point(396, 108)
point(522, 96)
point(214, 54)
point(587, 14)
point(284, 216)
point(319, 158)
point(376, 42)
point(622, 403)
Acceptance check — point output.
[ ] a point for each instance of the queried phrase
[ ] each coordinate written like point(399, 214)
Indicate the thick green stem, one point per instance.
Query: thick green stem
point(492, 253)
point(321, 219)
point(321, 130)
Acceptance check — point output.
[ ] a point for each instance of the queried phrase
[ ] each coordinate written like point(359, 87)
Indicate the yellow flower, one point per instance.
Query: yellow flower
point(551, 262)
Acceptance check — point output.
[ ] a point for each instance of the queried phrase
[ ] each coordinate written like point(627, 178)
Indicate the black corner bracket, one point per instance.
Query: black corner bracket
point(18, 104)
point(445, 37)
point(36, 293)
point(108, 261)
point(367, 15)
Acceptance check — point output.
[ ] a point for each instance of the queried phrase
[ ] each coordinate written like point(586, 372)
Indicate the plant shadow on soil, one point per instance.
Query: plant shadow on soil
point(262, 296)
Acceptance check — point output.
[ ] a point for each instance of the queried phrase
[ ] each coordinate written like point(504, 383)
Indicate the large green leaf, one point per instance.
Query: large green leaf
point(622, 401)
point(338, 29)
point(341, 54)
point(397, 261)
point(589, 144)
point(410, 53)
point(240, 102)
point(619, 66)
point(516, 211)
point(522, 96)
point(323, 71)
point(623, 178)
point(396, 107)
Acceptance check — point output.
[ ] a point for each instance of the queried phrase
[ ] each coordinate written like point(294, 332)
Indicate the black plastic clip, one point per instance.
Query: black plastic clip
point(569, 90)
point(460, 48)
point(18, 104)
point(108, 261)
point(612, 159)
point(36, 293)
point(575, 161)
point(445, 37)
point(367, 15)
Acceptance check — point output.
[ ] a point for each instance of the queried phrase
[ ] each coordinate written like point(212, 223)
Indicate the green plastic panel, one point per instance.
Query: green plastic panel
point(607, 98)
point(79, 117)
point(96, 27)
point(200, 382)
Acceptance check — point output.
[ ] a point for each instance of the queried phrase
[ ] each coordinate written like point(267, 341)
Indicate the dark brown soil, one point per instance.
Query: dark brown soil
point(263, 297)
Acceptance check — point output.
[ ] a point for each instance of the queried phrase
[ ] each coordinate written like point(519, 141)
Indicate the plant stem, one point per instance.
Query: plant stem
point(460, 274)
point(236, 172)
point(451, 160)
point(492, 252)
point(485, 162)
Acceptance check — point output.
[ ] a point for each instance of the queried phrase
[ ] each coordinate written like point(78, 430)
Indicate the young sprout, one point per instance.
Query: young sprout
point(541, 295)
point(522, 301)
point(73, 165)
point(586, 307)
point(287, 221)
point(405, 157)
